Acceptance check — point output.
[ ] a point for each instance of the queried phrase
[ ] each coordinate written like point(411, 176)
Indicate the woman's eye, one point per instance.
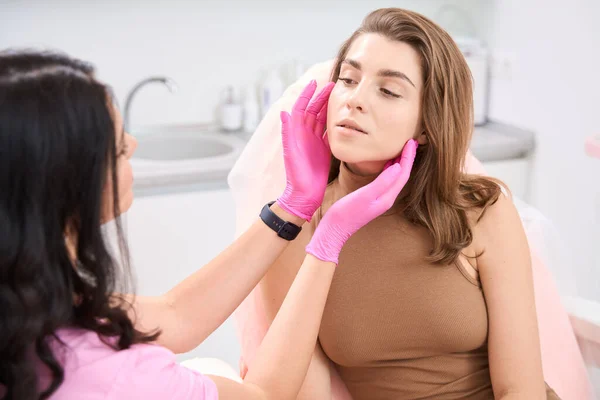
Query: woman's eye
point(388, 93)
point(347, 81)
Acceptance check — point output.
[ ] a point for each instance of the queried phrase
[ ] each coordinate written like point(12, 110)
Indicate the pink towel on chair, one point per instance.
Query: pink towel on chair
point(258, 176)
point(564, 368)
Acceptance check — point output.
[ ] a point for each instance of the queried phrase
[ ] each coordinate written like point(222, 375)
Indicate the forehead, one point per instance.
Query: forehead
point(375, 52)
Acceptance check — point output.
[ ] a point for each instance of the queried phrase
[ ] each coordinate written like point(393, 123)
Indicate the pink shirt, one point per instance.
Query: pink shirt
point(94, 371)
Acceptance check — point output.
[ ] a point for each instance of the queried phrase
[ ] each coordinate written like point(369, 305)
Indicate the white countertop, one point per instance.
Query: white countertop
point(498, 142)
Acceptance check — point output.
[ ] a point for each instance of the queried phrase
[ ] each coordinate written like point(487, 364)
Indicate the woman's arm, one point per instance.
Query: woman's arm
point(506, 276)
point(273, 289)
point(197, 306)
point(280, 365)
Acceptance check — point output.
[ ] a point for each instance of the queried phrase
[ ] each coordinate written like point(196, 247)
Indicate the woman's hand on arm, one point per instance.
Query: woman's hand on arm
point(507, 280)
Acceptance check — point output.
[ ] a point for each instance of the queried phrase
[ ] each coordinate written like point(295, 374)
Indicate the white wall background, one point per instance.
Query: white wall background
point(554, 89)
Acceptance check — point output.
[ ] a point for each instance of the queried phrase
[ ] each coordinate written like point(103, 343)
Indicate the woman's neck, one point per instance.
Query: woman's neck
point(349, 180)
point(367, 168)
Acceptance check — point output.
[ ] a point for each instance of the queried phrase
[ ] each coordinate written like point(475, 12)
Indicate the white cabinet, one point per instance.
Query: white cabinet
point(173, 235)
point(514, 173)
point(506, 153)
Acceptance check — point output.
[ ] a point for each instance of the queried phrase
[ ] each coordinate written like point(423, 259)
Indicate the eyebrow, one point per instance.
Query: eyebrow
point(386, 73)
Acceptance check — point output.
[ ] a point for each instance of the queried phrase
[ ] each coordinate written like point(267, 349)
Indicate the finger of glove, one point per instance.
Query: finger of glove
point(314, 109)
point(287, 138)
point(307, 93)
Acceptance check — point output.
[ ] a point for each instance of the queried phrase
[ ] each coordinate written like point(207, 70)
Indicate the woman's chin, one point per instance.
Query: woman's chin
point(346, 155)
point(361, 162)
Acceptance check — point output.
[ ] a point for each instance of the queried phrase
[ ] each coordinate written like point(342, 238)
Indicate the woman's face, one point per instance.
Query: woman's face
point(375, 106)
point(126, 145)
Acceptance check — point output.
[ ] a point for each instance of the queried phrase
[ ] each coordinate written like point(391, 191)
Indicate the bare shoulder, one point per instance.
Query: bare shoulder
point(499, 218)
point(485, 223)
point(499, 233)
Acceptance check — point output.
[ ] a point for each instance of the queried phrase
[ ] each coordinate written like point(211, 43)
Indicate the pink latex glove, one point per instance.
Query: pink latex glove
point(358, 208)
point(306, 153)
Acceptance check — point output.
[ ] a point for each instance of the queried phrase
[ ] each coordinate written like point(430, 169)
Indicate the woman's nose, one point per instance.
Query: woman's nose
point(356, 99)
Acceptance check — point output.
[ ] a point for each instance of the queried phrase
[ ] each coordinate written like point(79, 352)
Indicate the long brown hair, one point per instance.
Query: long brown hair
point(439, 194)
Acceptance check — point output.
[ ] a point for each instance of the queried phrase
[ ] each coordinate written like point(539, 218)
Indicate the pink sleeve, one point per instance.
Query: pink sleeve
point(151, 372)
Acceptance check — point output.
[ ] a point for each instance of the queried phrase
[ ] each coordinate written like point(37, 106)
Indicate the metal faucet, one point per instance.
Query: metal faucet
point(168, 82)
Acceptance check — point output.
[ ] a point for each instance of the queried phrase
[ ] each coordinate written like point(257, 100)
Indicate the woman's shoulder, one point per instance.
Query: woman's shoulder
point(503, 210)
point(498, 220)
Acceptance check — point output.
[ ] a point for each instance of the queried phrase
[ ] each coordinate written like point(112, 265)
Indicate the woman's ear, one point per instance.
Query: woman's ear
point(422, 139)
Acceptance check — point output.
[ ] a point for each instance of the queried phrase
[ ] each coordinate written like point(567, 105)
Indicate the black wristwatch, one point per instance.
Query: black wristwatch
point(284, 229)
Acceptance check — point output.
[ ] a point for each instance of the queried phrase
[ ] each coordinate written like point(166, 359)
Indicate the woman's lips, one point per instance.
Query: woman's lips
point(345, 130)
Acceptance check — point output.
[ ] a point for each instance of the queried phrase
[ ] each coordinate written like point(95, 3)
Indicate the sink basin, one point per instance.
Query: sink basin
point(179, 156)
point(179, 148)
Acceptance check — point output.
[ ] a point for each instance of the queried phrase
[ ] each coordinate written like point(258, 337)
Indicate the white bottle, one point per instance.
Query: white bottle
point(231, 112)
point(271, 91)
point(251, 110)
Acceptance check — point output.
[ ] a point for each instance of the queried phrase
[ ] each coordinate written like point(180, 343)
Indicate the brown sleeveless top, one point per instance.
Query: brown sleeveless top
point(397, 326)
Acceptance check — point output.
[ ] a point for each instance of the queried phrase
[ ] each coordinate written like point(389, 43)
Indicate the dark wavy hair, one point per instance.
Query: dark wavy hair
point(57, 150)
